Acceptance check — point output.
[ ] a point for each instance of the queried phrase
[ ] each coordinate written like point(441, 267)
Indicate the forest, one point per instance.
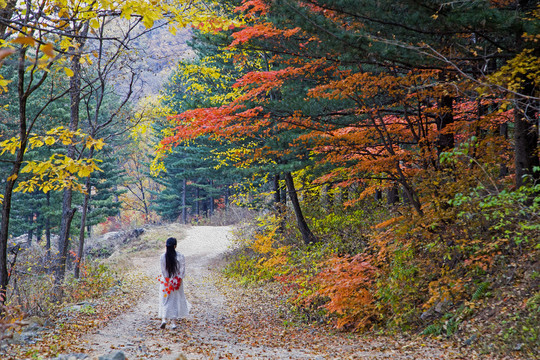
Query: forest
point(380, 159)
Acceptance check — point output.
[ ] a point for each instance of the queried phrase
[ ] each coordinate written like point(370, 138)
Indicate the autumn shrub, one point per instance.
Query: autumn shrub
point(33, 289)
point(376, 266)
point(31, 285)
point(346, 231)
point(348, 285)
point(94, 280)
point(11, 319)
point(259, 256)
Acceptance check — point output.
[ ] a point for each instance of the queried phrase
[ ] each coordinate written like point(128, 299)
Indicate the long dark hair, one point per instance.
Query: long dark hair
point(171, 264)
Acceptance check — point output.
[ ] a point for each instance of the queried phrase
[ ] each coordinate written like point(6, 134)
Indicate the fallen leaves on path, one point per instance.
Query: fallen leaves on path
point(228, 321)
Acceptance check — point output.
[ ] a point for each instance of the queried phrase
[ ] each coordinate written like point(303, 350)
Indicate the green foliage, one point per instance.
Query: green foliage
point(347, 230)
point(521, 328)
point(481, 291)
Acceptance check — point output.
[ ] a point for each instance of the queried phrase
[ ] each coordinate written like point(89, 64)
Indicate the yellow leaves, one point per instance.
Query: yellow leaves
point(65, 44)
point(48, 50)
point(58, 171)
point(24, 40)
point(94, 24)
point(96, 144)
point(3, 84)
point(69, 72)
point(525, 67)
point(10, 145)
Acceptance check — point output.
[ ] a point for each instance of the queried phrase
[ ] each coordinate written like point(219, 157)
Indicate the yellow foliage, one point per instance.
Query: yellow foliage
point(444, 290)
point(59, 171)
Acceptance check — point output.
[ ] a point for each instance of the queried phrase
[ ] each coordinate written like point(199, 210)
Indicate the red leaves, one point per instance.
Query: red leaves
point(349, 282)
point(170, 284)
point(253, 8)
point(263, 31)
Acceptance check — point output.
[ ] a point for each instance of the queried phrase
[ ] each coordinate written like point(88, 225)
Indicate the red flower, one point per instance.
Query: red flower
point(170, 284)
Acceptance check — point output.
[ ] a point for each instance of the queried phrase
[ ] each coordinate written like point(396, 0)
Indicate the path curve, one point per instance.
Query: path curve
point(229, 323)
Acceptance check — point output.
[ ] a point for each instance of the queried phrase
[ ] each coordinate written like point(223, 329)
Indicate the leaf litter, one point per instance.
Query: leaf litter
point(227, 321)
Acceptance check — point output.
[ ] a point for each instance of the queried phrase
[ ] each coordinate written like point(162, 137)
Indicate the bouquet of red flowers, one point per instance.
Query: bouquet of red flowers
point(170, 284)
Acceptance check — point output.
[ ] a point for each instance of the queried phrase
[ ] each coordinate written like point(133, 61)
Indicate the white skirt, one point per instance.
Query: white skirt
point(173, 305)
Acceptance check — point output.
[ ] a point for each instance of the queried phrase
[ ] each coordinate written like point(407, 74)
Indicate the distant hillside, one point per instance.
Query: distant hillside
point(153, 55)
point(159, 52)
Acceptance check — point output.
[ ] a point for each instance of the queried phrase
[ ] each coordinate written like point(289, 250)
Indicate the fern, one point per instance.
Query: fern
point(480, 291)
point(433, 329)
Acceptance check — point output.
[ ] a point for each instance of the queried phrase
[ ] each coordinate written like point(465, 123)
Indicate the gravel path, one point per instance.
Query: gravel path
point(230, 322)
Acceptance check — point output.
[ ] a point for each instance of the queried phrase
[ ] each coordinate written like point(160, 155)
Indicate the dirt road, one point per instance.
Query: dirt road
point(231, 322)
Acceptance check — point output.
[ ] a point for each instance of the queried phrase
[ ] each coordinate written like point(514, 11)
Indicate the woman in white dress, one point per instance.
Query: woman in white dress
point(173, 304)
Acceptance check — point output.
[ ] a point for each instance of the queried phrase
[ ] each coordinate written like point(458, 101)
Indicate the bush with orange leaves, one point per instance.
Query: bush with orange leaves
point(348, 283)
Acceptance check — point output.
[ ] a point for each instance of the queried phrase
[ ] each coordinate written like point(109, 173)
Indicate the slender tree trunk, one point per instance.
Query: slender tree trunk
point(6, 13)
point(409, 191)
point(227, 195)
point(378, 195)
point(277, 190)
point(4, 234)
point(197, 202)
point(211, 200)
point(307, 235)
point(67, 211)
point(184, 210)
point(284, 194)
point(39, 228)
point(503, 131)
point(10, 183)
point(80, 253)
point(205, 209)
point(31, 229)
point(526, 142)
point(445, 118)
point(526, 121)
point(392, 195)
point(48, 228)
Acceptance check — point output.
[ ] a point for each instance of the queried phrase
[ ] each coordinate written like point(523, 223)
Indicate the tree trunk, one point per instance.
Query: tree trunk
point(197, 202)
point(392, 195)
point(63, 242)
point(307, 235)
point(6, 13)
point(10, 183)
point(227, 195)
point(445, 141)
point(205, 208)
point(378, 195)
point(80, 252)
point(67, 211)
point(211, 200)
point(39, 227)
point(48, 228)
point(184, 210)
point(31, 229)
point(526, 144)
point(277, 190)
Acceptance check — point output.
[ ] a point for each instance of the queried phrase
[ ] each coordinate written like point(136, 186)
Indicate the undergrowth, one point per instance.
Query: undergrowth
point(466, 262)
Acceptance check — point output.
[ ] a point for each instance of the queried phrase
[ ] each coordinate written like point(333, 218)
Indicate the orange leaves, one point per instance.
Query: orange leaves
point(264, 31)
point(253, 8)
point(349, 283)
